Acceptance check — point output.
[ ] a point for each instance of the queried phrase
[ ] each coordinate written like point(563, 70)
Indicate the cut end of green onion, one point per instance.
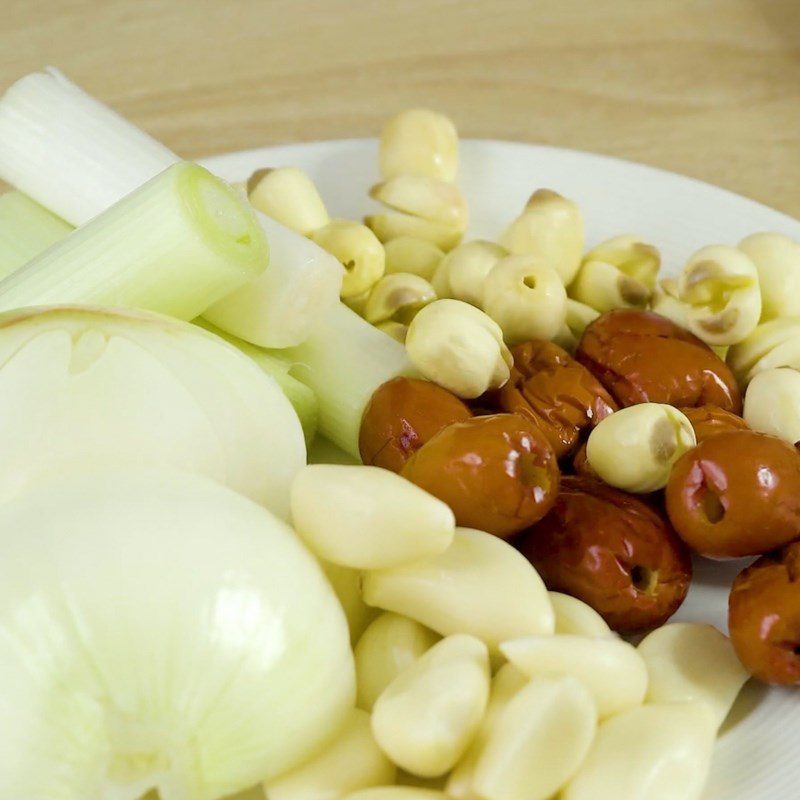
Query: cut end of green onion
point(176, 245)
point(285, 303)
point(227, 223)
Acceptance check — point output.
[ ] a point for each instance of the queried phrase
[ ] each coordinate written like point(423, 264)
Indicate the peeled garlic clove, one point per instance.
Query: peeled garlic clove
point(777, 259)
point(425, 719)
point(358, 250)
point(396, 330)
point(573, 616)
point(635, 448)
point(394, 224)
point(525, 298)
point(467, 268)
point(604, 287)
point(459, 347)
point(346, 584)
point(692, 663)
point(389, 645)
point(505, 685)
point(609, 667)
point(720, 286)
point(419, 142)
point(480, 585)
point(579, 317)
point(397, 298)
point(425, 197)
point(539, 741)
point(508, 680)
point(661, 751)
point(367, 517)
point(223, 657)
point(396, 793)
point(289, 196)
point(352, 761)
point(550, 228)
point(772, 403)
point(409, 254)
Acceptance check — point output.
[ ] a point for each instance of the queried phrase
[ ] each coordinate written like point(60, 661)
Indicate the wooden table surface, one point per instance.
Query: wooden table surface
point(709, 88)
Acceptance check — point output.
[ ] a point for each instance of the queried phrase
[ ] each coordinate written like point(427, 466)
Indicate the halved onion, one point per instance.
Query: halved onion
point(89, 386)
point(158, 630)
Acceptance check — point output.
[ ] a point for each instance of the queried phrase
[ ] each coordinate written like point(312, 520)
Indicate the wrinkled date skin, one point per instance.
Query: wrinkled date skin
point(401, 416)
point(561, 396)
point(709, 421)
point(613, 551)
point(736, 494)
point(642, 357)
point(497, 473)
point(764, 617)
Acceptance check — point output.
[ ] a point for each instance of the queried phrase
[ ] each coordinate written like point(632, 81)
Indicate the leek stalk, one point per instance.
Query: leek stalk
point(299, 395)
point(77, 157)
point(344, 361)
point(284, 303)
point(69, 152)
point(26, 229)
point(176, 245)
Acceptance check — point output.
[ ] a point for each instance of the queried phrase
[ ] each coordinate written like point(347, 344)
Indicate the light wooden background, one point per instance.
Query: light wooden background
point(709, 88)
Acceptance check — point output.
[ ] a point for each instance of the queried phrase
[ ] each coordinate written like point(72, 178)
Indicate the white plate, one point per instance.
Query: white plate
point(758, 755)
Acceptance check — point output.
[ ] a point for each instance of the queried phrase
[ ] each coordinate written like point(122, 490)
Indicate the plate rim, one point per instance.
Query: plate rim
point(655, 171)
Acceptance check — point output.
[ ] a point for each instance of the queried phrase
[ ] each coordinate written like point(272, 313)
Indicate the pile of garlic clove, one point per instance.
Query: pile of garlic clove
point(476, 683)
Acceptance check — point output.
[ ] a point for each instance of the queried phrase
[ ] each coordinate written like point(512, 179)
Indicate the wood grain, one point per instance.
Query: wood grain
point(708, 88)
